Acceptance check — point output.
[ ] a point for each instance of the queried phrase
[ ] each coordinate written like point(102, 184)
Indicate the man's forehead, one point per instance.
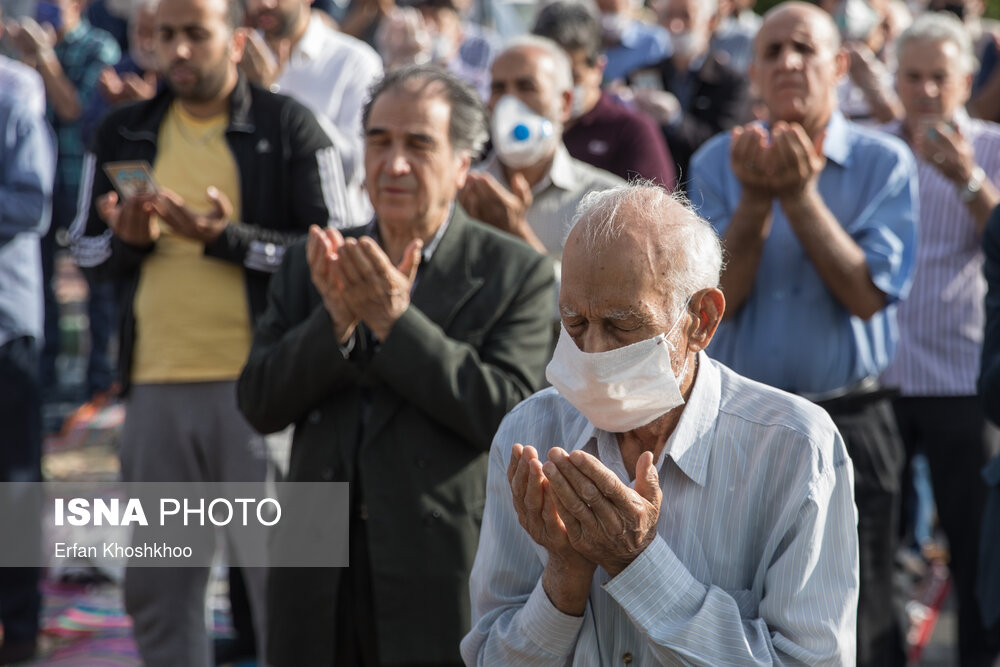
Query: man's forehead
point(797, 24)
point(419, 105)
point(176, 12)
point(523, 62)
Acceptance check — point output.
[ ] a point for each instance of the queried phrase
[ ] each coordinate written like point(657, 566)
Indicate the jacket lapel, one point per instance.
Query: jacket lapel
point(445, 285)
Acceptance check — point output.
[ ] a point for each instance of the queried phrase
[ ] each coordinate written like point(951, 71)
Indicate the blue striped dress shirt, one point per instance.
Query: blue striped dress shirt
point(941, 321)
point(756, 557)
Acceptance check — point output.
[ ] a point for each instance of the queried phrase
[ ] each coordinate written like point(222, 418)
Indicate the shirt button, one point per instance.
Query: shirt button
point(627, 658)
point(315, 416)
point(421, 463)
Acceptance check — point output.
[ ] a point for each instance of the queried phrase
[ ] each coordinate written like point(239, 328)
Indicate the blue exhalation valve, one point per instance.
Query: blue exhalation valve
point(521, 132)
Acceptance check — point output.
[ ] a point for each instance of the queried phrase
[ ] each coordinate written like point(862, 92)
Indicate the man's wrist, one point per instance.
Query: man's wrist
point(972, 187)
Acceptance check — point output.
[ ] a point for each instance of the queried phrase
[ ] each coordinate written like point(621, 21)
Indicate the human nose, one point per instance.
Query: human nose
point(929, 88)
point(790, 59)
point(592, 340)
point(397, 163)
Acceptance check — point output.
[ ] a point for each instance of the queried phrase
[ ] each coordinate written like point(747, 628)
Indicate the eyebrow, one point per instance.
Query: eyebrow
point(418, 136)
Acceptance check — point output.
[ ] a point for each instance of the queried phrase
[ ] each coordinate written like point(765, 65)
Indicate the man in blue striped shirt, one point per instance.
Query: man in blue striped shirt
point(654, 507)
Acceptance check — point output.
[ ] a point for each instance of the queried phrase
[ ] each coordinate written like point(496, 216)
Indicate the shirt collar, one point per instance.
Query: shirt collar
point(690, 445)
point(560, 173)
point(836, 144)
point(311, 45)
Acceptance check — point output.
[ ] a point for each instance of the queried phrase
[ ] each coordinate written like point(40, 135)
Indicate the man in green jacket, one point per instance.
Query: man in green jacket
point(396, 352)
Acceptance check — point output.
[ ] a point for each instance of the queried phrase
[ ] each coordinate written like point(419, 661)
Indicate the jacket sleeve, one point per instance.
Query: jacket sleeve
point(93, 245)
point(989, 378)
point(295, 361)
point(316, 192)
point(469, 386)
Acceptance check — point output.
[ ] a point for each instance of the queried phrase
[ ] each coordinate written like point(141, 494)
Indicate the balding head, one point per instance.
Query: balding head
point(635, 256)
point(798, 64)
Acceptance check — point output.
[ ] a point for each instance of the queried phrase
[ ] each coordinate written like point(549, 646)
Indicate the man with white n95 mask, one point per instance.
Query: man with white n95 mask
point(654, 507)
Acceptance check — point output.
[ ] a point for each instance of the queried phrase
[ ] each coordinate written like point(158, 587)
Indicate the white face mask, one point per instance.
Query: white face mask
point(520, 136)
point(618, 390)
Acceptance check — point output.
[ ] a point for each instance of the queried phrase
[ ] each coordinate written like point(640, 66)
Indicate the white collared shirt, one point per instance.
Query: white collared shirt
point(556, 196)
point(330, 73)
point(755, 560)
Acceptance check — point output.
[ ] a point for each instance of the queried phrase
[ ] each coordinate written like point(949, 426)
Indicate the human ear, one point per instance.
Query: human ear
point(708, 306)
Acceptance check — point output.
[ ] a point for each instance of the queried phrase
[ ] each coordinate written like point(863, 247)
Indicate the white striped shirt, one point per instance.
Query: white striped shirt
point(941, 321)
point(756, 557)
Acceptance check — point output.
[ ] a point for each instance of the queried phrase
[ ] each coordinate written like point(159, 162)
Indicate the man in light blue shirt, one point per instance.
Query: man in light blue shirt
point(818, 217)
point(27, 167)
point(654, 507)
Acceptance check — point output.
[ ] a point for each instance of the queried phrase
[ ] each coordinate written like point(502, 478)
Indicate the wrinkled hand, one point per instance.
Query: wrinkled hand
point(403, 38)
point(606, 521)
point(132, 220)
point(377, 292)
point(486, 200)
point(262, 65)
point(536, 511)
point(796, 161)
point(750, 159)
point(204, 228)
point(944, 147)
point(31, 39)
point(661, 105)
point(110, 85)
point(321, 253)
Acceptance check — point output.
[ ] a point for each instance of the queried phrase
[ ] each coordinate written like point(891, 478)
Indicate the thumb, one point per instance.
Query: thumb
point(519, 185)
point(411, 259)
point(647, 482)
point(150, 78)
point(818, 144)
point(221, 208)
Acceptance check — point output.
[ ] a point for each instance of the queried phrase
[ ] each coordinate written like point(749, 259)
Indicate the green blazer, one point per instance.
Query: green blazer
point(473, 343)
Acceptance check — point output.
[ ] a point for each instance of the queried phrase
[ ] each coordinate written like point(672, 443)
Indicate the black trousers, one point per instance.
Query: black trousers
point(869, 430)
point(954, 435)
point(20, 460)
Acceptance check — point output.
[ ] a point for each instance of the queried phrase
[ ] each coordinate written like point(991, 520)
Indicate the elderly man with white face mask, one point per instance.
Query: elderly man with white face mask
point(654, 507)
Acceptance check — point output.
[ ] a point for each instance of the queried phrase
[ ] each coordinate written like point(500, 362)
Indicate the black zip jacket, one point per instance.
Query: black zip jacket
point(284, 159)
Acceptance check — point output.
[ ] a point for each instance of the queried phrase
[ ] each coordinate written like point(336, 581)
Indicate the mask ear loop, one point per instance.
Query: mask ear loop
point(673, 348)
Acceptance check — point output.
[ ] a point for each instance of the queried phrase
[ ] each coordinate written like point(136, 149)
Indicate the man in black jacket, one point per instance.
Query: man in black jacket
point(396, 352)
point(693, 94)
point(239, 175)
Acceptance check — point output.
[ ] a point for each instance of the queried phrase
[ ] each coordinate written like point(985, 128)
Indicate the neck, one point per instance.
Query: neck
point(532, 173)
point(653, 436)
point(814, 128)
point(215, 106)
point(396, 236)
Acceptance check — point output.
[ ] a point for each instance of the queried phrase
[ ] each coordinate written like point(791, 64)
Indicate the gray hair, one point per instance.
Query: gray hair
point(563, 67)
point(941, 27)
point(467, 126)
point(673, 224)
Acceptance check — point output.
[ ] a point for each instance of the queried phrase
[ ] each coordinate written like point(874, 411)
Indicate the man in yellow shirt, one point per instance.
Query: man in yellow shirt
point(240, 174)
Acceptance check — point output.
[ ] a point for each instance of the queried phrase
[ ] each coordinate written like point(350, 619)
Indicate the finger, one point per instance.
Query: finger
point(515, 458)
point(565, 522)
point(570, 501)
point(607, 482)
point(347, 262)
point(533, 490)
point(647, 482)
point(411, 260)
point(521, 189)
point(373, 261)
